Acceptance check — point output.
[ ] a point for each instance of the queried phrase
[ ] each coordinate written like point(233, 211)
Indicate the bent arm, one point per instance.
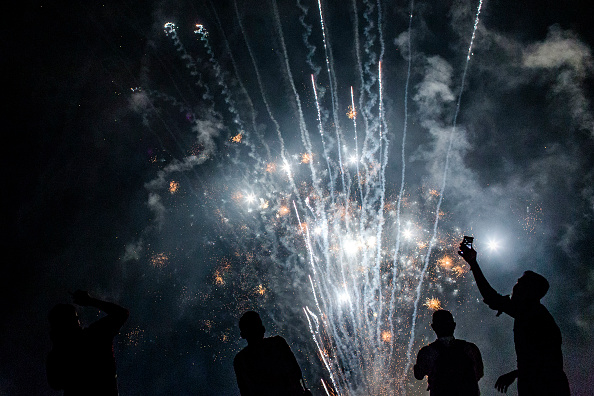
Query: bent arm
point(116, 315)
point(477, 359)
point(420, 369)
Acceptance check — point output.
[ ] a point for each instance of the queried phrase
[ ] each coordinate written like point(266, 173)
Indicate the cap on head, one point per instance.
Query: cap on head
point(250, 325)
point(537, 283)
point(443, 323)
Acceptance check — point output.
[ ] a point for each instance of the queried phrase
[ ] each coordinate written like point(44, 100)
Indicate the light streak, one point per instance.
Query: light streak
point(443, 185)
point(363, 269)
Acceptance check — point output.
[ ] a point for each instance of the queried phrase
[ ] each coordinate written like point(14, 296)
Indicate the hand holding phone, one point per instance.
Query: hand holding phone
point(466, 250)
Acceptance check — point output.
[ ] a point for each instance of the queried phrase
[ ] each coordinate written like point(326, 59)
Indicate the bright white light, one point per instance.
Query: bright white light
point(353, 159)
point(351, 246)
point(318, 230)
point(493, 245)
point(344, 297)
point(287, 167)
point(407, 234)
point(250, 198)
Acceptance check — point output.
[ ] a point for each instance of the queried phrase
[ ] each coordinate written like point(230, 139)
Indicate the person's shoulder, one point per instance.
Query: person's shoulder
point(463, 342)
point(427, 349)
point(468, 347)
point(240, 356)
point(276, 340)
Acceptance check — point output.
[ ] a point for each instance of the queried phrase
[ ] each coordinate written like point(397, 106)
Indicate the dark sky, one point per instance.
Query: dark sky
point(139, 196)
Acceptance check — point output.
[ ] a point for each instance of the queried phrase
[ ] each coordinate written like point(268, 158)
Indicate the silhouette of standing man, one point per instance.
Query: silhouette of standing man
point(537, 337)
point(267, 366)
point(82, 361)
point(453, 367)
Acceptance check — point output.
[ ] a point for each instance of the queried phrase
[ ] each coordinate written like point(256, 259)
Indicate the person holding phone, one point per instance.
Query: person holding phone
point(537, 337)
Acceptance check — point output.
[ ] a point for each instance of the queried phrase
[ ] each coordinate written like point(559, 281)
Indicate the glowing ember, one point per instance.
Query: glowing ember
point(352, 113)
point(173, 186)
point(433, 303)
point(306, 158)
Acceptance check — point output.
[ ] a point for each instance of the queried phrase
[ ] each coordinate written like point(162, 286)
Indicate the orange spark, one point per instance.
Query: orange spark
point(433, 303)
point(271, 167)
point(237, 138)
point(260, 290)
point(237, 197)
point(445, 262)
point(459, 270)
point(173, 186)
point(386, 336)
point(306, 158)
point(283, 211)
point(159, 260)
point(352, 113)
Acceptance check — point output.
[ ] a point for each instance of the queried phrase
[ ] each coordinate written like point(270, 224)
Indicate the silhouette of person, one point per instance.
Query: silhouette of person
point(537, 337)
point(453, 367)
point(82, 361)
point(266, 366)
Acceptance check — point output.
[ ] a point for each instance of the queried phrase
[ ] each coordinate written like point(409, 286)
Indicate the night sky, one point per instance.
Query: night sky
point(130, 164)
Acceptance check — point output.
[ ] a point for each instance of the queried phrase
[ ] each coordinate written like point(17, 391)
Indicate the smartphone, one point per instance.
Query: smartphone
point(467, 241)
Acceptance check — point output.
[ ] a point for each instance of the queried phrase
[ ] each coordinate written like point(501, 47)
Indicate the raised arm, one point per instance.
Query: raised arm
point(116, 315)
point(490, 296)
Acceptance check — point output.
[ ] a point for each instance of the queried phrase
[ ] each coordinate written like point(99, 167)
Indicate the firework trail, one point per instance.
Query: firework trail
point(441, 191)
point(219, 75)
point(338, 240)
point(333, 94)
point(242, 87)
point(402, 174)
point(311, 49)
point(191, 64)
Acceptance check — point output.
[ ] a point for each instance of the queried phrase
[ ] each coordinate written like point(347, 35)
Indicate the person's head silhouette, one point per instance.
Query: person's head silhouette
point(530, 288)
point(443, 323)
point(251, 327)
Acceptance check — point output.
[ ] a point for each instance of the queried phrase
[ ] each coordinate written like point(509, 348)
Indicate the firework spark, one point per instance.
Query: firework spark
point(364, 248)
point(433, 303)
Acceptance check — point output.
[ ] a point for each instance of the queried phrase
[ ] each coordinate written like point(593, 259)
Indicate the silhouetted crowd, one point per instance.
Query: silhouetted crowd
point(82, 362)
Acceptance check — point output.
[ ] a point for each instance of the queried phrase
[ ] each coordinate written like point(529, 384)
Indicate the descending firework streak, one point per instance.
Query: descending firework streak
point(359, 250)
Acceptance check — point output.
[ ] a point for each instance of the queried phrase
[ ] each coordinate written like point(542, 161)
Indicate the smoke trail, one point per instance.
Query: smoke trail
point(302, 127)
point(441, 191)
point(311, 49)
point(402, 176)
point(171, 30)
point(333, 95)
point(219, 75)
point(245, 92)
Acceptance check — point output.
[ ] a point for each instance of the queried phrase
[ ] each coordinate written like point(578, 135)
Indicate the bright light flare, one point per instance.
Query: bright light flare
point(407, 234)
point(344, 297)
point(287, 168)
point(493, 245)
point(250, 198)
